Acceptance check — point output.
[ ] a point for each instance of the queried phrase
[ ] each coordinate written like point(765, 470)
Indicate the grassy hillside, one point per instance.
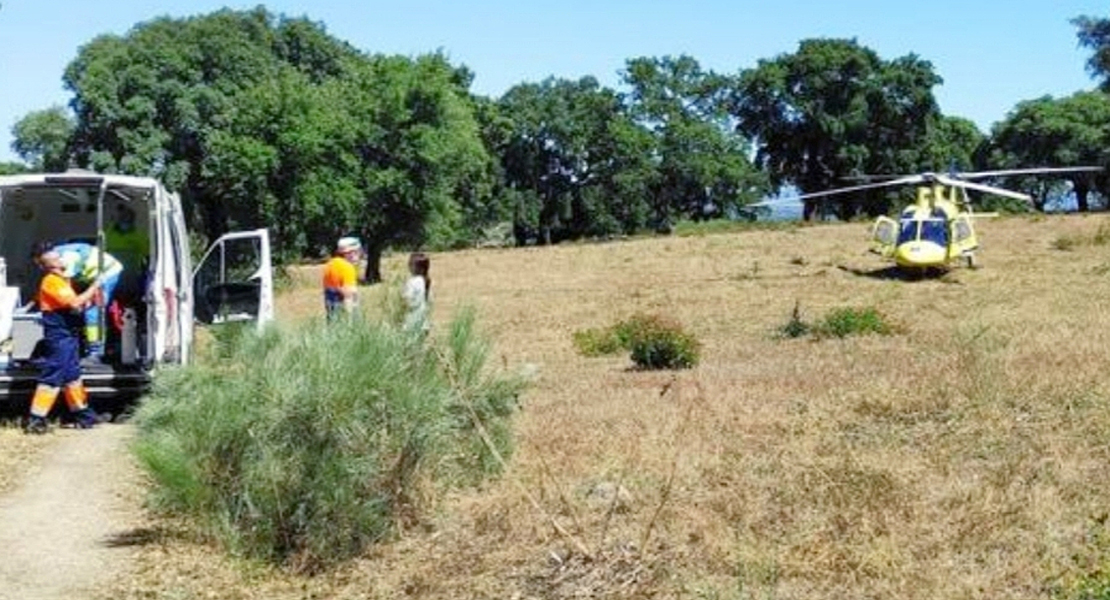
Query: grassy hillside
point(965, 456)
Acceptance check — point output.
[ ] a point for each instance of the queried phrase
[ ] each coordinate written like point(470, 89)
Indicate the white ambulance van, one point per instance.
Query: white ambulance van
point(159, 297)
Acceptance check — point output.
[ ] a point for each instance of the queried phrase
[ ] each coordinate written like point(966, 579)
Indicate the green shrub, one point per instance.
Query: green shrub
point(842, 322)
point(655, 342)
point(612, 339)
point(598, 341)
point(660, 344)
point(795, 327)
point(302, 446)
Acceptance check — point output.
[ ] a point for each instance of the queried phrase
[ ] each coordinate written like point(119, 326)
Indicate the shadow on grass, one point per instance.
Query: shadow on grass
point(143, 536)
point(896, 273)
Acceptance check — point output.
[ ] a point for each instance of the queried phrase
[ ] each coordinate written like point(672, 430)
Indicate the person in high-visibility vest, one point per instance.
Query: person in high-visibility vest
point(60, 361)
point(131, 245)
point(84, 263)
point(341, 278)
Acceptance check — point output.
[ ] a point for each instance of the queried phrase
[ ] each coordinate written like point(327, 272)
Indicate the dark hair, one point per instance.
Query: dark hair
point(420, 264)
point(41, 248)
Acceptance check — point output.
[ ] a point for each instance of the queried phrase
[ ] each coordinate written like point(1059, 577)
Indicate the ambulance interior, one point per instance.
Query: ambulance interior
point(30, 214)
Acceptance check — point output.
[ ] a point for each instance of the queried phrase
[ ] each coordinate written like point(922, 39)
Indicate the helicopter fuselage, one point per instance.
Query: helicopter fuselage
point(931, 232)
point(937, 228)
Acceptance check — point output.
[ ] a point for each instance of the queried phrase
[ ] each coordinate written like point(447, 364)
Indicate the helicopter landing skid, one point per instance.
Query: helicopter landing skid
point(971, 260)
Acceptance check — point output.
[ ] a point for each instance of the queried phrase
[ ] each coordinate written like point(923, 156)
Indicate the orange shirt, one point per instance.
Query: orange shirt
point(56, 293)
point(339, 273)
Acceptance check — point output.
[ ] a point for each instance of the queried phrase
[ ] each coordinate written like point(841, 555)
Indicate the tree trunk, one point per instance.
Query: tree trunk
point(846, 211)
point(1081, 192)
point(809, 210)
point(373, 273)
point(520, 233)
point(1040, 197)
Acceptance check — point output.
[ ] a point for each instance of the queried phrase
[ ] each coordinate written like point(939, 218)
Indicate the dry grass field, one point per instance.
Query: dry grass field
point(965, 456)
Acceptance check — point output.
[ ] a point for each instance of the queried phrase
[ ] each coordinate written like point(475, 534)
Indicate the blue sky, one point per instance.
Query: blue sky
point(991, 55)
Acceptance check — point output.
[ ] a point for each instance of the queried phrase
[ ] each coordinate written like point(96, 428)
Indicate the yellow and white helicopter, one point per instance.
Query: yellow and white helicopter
point(937, 229)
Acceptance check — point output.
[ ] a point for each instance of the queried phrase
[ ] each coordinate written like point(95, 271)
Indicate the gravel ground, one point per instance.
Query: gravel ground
point(68, 511)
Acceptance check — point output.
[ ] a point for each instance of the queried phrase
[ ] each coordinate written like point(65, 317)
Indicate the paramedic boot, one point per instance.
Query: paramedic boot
point(36, 426)
point(85, 419)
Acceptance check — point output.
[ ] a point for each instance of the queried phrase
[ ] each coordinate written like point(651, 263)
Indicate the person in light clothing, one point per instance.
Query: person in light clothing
point(417, 294)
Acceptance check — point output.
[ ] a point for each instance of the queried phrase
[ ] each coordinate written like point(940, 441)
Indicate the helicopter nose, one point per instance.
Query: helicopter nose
point(920, 254)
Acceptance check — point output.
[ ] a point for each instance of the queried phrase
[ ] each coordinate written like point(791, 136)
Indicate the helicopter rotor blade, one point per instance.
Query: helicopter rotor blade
point(1038, 171)
point(984, 188)
point(912, 179)
point(875, 178)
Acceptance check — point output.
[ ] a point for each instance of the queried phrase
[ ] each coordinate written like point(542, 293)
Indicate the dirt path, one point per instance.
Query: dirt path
point(60, 529)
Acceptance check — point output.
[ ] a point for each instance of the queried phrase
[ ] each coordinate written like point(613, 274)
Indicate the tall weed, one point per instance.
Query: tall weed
point(302, 446)
point(796, 326)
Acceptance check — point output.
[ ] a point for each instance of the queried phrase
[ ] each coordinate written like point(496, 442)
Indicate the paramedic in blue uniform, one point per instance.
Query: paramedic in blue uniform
point(60, 361)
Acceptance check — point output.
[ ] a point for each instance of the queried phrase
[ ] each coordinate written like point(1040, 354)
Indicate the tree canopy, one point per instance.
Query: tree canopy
point(576, 163)
point(42, 139)
point(1048, 132)
point(1094, 34)
point(269, 120)
point(151, 101)
point(263, 120)
point(835, 109)
point(703, 169)
point(951, 143)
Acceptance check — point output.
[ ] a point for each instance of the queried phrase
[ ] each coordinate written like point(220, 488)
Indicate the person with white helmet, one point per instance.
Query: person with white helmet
point(341, 278)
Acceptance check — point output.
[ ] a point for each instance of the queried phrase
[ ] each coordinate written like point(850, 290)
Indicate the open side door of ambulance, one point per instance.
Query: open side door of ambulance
point(234, 281)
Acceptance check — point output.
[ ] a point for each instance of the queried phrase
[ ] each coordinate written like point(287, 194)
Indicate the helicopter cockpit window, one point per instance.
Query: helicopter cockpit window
point(908, 231)
point(934, 230)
